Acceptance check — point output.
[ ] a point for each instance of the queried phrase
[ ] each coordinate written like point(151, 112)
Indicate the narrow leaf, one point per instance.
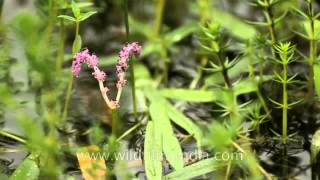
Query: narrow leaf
point(180, 119)
point(87, 15)
point(236, 27)
point(316, 69)
point(170, 143)
point(197, 169)
point(245, 86)
point(152, 154)
point(75, 10)
point(190, 95)
point(67, 18)
point(315, 145)
point(76, 44)
point(180, 33)
point(172, 150)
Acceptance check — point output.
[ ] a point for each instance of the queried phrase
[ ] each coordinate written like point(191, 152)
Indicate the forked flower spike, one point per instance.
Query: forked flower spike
point(122, 65)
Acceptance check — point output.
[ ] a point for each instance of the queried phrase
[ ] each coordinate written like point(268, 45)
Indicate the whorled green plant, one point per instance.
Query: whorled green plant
point(212, 42)
point(310, 24)
point(270, 20)
point(286, 56)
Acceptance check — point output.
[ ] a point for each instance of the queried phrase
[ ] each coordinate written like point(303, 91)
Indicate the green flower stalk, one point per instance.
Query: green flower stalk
point(286, 53)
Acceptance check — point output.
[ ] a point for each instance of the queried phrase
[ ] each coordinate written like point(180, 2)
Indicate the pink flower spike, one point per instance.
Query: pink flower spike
point(126, 51)
point(78, 59)
point(121, 83)
point(92, 61)
point(82, 55)
point(136, 48)
point(76, 68)
point(98, 74)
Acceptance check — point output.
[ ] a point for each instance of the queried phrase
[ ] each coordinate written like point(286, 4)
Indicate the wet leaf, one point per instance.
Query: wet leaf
point(236, 27)
point(197, 169)
point(75, 10)
point(76, 44)
point(316, 70)
point(186, 123)
point(190, 95)
point(87, 15)
point(28, 169)
point(315, 145)
point(67, 18)
point(172, 151)
point(152, 153)
point(307, 28)
point(170, 143)
point(245, 86)
point(180, 33)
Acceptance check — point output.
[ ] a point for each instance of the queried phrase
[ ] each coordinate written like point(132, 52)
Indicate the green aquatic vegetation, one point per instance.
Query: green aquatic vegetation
point(286, 54)
point(209, 83)
point(267, 7)
point(310, 25)
point(315, 146)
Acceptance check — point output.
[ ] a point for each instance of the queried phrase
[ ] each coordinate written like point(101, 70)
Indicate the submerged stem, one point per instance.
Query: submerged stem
point(70, 82)
point(115, 122)
point(284, 105)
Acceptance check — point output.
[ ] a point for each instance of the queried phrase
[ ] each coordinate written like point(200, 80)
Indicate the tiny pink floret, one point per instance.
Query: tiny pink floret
point(98, 74)
point(92, 60)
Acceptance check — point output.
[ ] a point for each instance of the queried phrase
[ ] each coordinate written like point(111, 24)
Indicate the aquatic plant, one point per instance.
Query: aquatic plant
point(221, 90)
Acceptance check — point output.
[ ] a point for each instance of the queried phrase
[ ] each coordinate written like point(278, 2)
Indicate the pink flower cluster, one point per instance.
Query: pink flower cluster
point(122, 65)
point(85, 57)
